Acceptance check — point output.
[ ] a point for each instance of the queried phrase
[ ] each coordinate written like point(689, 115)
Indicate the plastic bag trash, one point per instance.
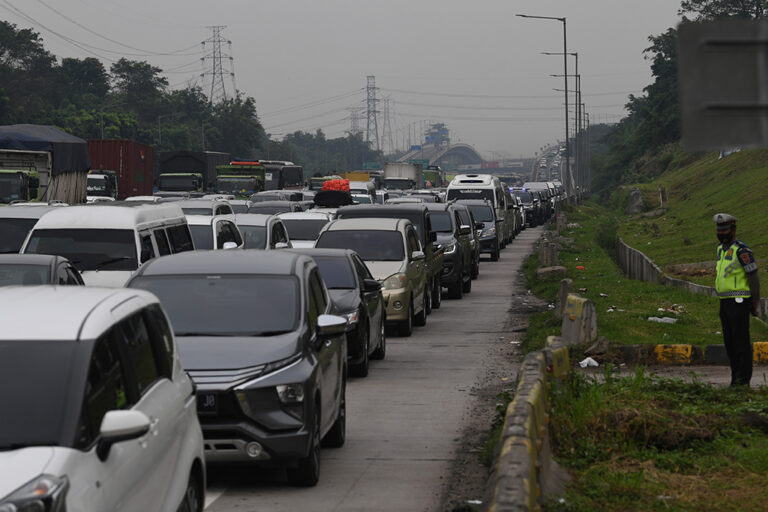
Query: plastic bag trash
point(662, 320)
point(579, 267)
point(603, 294)
point(474, 502)
point(588, 362)
point(583, 290)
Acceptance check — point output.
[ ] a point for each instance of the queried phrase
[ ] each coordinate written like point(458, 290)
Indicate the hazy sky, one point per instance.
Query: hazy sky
point(473, 65)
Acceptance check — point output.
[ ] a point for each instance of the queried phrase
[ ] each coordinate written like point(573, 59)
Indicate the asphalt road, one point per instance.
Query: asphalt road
point(405, 420)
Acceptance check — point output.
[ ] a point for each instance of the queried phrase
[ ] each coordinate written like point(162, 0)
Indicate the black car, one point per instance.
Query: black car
point(358, 297)
point(32, 269)
point(256, 334)
point(484, 214)
point(465, 214)
point(454, 238)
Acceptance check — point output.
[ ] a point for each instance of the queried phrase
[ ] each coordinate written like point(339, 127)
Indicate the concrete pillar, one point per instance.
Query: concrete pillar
point(579, 320)
point(566, 285)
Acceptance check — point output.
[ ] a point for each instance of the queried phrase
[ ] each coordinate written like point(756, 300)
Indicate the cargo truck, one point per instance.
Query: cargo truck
point(402, 175)
point(129, 165)
point(19, 175)
point(434, 177)
point(182, 168)
point(282, 175)
point(240, 178)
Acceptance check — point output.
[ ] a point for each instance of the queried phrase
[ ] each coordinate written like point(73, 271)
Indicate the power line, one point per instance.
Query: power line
point(501, 119)
point(316, 116)
point(502, 97)
point(309, 105)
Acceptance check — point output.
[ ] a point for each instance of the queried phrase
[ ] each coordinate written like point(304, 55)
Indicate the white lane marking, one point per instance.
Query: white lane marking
point(211, 495)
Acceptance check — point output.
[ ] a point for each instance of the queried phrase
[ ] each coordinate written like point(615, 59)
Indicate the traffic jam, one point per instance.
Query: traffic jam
point(183, 329)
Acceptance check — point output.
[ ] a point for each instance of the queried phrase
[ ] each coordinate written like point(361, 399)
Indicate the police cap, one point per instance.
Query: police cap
point(723, 220)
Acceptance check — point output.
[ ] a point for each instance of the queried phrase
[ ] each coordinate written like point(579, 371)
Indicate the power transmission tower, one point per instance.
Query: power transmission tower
point(386, 133)
point(372, 132)
point(217, 70)
point(355, 116)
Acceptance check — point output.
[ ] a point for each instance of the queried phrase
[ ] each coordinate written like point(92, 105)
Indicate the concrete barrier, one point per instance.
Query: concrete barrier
point(579, 320)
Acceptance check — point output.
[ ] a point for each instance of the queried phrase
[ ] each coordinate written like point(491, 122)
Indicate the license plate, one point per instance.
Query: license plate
point(207, 403)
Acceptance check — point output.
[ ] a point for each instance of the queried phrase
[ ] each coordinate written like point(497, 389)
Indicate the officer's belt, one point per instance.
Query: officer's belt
point(737, 293)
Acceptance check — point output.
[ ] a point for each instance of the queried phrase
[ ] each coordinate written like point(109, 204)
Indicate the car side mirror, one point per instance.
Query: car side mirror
point(229, 245)
point(282, 245)
point(417, 255)
point(465, 230)
point(118, 426)
point(371, 285)
point(499, 221)
point(330, 325)
point(479, 225)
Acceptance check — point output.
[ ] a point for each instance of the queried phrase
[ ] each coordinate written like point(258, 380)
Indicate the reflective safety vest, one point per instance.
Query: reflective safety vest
point(731, 280)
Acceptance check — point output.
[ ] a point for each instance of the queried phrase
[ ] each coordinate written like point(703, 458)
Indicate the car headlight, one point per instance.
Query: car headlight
point(489, 232)
point(392, 282)
point(45, 493)
point(450, 248)
point(291, 398)
point(352, 317)
point(276, 365)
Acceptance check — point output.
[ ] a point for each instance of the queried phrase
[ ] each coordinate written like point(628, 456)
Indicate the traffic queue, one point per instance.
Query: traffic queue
point(179, 333)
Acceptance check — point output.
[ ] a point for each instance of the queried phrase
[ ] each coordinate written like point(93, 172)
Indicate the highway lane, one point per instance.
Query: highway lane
point(404, 421)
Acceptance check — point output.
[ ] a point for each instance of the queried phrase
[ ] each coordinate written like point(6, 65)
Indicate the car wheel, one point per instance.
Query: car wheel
point(456, 290)
point(428, 300)
point(495, 254)
point(406, 326)
point(475, 273)
point(421, 319)
point(466, 287)
point(381, 350)
point(437, 294)
point(361, 368)
point(307, 473)
point(193, 496)
point(338, 434)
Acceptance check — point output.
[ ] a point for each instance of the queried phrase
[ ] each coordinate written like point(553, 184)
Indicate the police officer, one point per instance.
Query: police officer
point(738, 288)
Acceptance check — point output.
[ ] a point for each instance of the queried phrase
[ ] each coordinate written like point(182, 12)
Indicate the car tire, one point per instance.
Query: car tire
point(361, 369)
point(307, 472)
point(466, 287)
point(437, 294)
point(495, 254)
point(475, 272)
point(406, 326)
point(193, 496)
point(428, 300)
point(420, 320)
point(456, 290)
point(338, 434)
point(381, 351)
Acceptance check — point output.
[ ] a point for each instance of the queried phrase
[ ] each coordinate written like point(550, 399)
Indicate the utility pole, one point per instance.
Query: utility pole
point(217, 70)
point(372, 131)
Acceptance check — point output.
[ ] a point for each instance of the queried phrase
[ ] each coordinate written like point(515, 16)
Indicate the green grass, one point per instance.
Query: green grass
point(736, 184)
point(647, 443)
point(698, 322)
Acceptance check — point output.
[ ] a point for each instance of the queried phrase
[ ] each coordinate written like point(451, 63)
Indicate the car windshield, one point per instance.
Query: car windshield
point(260, 198)
point(371, 245)
point(88, 249)
point(441, 222)
point(255, 237)
point(197, 211)
point(269, 210)
point(240, 208)
point(470, 193)
point(482, 213)
point(12, 273)
point(336, 272)
point(227, 304)
point(37, 376)
point(13, 232)
point(304, 229)
point(525, 197)
point(202, 236)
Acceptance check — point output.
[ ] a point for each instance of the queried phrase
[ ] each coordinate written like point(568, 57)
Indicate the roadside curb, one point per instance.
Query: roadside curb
point(524, 460)
point(686, 354)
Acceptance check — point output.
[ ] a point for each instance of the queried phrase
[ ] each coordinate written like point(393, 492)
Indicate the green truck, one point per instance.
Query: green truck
point(241, 179)
point(102, 183)
point(19, 185)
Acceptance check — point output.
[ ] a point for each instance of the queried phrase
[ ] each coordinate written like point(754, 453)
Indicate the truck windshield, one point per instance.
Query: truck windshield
point(35, 409)
point(292, 177)
point(396, 184)
point(10, 187)
point(97, 186)
point(13, 232)
point(178, 183)
point(88, 249)
point(237, 186)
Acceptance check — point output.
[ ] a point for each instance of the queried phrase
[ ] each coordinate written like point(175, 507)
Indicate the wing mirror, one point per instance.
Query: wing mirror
point(479, 225)
point(282, 245)
point(330, 325)
point(465, 230)
point(417, 255)
point(118, 426)
point(229, 245)
point(371, 285)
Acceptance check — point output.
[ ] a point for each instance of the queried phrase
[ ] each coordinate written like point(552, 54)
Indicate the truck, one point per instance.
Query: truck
point(240, 178)
point(434, 177)
point(356, 175)
point(127, 164)
point(181, 170)
point(402, 175)
point(39, 162)
point(282, 175)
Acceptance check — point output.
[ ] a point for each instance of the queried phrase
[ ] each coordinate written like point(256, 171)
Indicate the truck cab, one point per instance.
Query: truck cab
point(180, 182)
point(102, 184)
point(241, 179)
point(18, 185)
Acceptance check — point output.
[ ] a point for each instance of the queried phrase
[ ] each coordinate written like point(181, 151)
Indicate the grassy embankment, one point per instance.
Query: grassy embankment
point(736, 184)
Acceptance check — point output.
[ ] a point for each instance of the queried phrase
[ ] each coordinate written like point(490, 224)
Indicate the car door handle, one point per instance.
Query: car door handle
point(328, 342)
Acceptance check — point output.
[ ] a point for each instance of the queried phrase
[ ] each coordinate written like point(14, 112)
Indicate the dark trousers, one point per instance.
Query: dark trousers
point(735, 320)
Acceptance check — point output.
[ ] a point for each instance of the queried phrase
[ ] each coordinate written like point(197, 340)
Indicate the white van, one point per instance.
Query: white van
point(107, 243)
point(488, 187)
point(363, 187)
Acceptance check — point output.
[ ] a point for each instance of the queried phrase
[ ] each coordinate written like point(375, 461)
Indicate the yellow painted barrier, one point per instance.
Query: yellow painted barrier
point(673, 354)
point(760, 352)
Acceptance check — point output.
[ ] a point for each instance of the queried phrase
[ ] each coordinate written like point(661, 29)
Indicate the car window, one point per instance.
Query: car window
point(137, 345)
point(105, 389)
point(163, 247)
point(236, 234)
point(180, 238)
point(73, 275)
point(224, 210)
point(313, 310)
point(361, 268)
point(413, 242)
point(162, 339)
point(278, 234)
point(223, 234)
point(61, 274)
point(147, 249)
point(318, 290)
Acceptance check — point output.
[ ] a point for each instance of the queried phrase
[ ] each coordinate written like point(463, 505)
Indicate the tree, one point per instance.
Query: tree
point(703, 10)
point(86, 81)
point(140, 86)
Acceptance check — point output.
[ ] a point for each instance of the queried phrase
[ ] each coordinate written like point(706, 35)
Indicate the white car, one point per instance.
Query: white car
point(98, 414)
point(304, 227)
point(214, 232)
point(263, 231)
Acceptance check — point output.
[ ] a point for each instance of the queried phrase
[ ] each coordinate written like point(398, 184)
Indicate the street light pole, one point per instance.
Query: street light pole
point(579, 157)
point(565, 78)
